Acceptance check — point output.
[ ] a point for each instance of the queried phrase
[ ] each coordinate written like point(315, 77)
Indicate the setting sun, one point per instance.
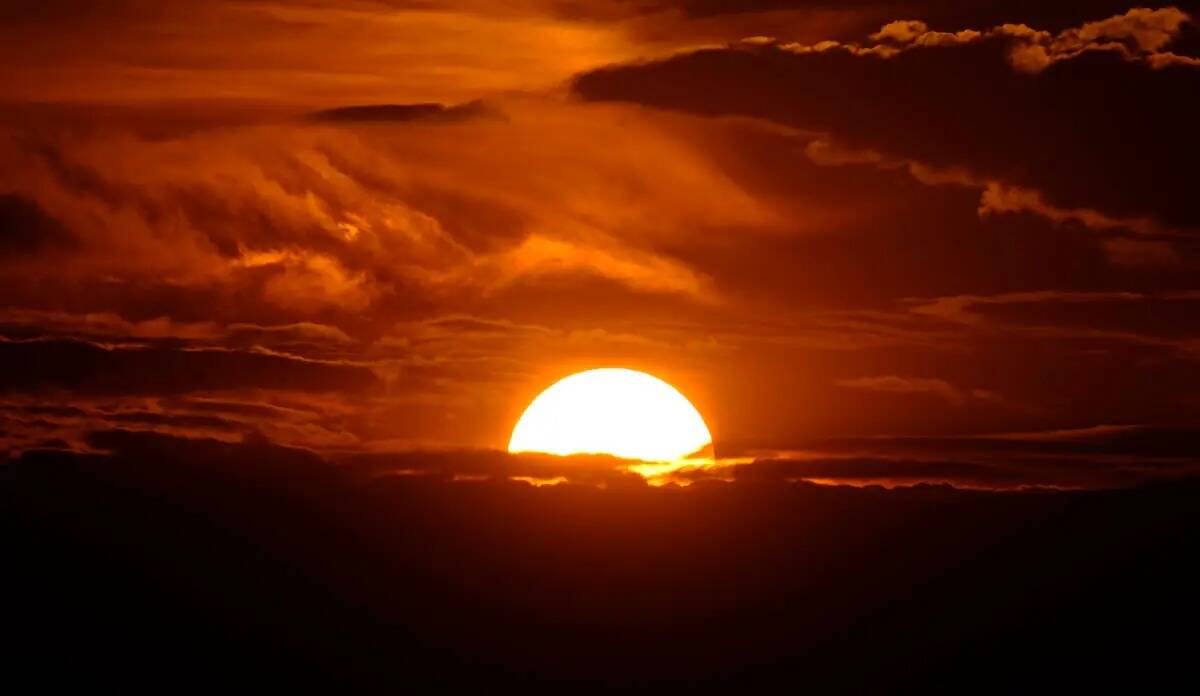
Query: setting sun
point(624, 413)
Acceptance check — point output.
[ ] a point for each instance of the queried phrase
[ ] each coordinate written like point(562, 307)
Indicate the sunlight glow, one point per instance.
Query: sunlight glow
point(614, 411)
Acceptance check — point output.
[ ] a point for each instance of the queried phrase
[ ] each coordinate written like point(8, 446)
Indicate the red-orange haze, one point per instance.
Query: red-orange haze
point(896, 242)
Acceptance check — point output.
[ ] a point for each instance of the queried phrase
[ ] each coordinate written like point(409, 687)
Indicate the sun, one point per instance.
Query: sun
point(615, 411)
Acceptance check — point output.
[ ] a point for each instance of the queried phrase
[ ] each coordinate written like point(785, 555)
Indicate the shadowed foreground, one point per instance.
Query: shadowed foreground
point(174, 563)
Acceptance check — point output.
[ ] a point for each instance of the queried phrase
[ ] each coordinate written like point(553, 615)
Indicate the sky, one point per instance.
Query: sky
point(887, 241)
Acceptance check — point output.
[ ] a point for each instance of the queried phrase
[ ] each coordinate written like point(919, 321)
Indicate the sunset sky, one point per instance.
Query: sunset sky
point(509, 346)
point(876, 241)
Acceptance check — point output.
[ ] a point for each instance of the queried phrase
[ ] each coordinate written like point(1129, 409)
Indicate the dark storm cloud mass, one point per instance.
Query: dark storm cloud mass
point(959, 100)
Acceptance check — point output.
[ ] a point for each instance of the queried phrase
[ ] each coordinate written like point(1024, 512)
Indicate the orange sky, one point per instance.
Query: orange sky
point(895, 231)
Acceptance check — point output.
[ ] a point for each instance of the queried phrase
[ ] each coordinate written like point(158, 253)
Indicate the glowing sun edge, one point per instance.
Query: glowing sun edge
point(634, 410)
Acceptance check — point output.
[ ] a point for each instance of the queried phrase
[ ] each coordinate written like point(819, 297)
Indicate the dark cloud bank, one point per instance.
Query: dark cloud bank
point(955, 101)
point(83, 368)
point(168, 563)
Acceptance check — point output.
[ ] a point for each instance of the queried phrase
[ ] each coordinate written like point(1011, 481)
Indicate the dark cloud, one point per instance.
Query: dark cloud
point(945, 15)
point(497, 465)
point(1054, 16)
point(890, 471)
point(271, 561)
point(83, 368)
point(1107, 456)
point(959, 104)
point(1165, 316)
point(1180, 442)
point(26, 229)
point(223, 407)
point(918, 385)
point(174, 421)
point(858, 235)
point(60, 411)
point(400, 113)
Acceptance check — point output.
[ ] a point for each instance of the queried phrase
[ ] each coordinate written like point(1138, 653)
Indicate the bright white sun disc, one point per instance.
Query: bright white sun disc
point(615, 411)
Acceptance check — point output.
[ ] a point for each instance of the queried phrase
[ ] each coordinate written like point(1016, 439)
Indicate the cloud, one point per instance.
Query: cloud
point(1109, 456)
point(1140, 35)
point(1088, 458)
point(712, 251)
point(1084, 458)
point(1149, 441)
point(919, 385)
point(26, 229)
point(539, 255)
point(302, 332)
point(1061, 14)
point(483, 465)
point(399, 113)
point(1115, 312)
point(890, 472)
point(301, 222)
point(977, 112)
point(1140, 31)
point(183, 422)
point(998, 198)
point(312, 54)
point(85, 368)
